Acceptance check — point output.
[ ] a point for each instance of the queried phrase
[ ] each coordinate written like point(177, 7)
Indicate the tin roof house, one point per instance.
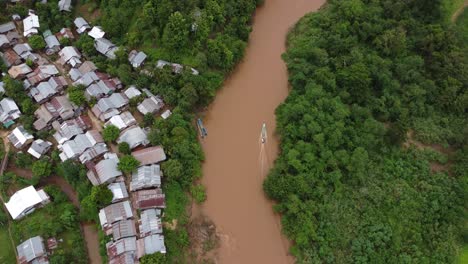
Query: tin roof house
point(150, 245)
point(70, 128)
point(32, 251)
point(146, 177)
point(119, 191)
point(24, 201)
point(105, 47)
point(151, 155)
point(107, 107)
point(70, 55)
point(62, 106)
point(150, 222)
point(7, 27)
point(122, 246)
point(114, 213)
point(19, 71)
point(19, 137)
point(105, 171)
point(81, 25)
point(123, 229)
point(75, 147)
point(148, 199)
point(136, 58)
point(52, 43)
point(9, 112)
point(4, 41)
point(39, 147)
point(31, 25)
point(134, 136)
point(96, 32)
point(10, 58)
point(65, 5)
point(122, 120)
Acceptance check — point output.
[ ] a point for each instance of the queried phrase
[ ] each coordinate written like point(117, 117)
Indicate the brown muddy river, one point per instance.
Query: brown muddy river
point(236, 162)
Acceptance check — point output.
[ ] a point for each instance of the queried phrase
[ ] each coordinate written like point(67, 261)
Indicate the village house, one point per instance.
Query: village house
point(148, 199)
point(151, 155)
point(126, 258)
point(41, 73)
point(122, 120)
point(7, 27)
point(105, 47)
point(136, 58)
point(19, 71)
point(9, 112)
point(70, 128)
point(151, 105)
point(52, 43)
point(31, 25)
point(119, 191)
point(146, 177)
point(122, 229)
point(23, 50)
point(114, 213)
point(122, 246)
point(32, 251)
point(150, 245)
point(175, 67)
point(93, 152)
point(39, 147)
point(71, 56)
point(10, 58)
point(110, 106)
point(45, 90)
point(134, 136)
point(2, 87)
point(65, 5)
point(4, 42)
point(105, 171)
point(166, 114)
point(97, 90)
point(73, 148)
point(81, 25)
point(87, 66)
point(96, 32)
point(13, 37)
point(150, 222)
point(24, 201)
point(19, 137)
point(132, 92)
point(86, 79)
point(44, 118)
point(62, 106)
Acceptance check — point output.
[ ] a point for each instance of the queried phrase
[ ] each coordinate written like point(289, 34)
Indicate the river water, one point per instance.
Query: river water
point(236, 161)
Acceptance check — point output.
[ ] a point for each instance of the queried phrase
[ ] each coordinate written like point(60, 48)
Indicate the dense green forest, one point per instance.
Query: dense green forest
point(374, 153)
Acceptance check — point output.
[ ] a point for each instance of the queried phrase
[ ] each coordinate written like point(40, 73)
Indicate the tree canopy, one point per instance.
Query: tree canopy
point(376, 86)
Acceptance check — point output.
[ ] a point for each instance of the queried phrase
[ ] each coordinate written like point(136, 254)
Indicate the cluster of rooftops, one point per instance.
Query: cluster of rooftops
point(77, 137)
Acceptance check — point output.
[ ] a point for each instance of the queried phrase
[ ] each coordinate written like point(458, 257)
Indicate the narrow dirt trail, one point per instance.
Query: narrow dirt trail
point(236, 161)
point(459, 12)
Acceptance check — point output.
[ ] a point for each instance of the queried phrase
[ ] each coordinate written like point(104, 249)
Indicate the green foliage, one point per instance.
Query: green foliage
point(148, 120)
point(76, 95)
point(41, 168)
point(23, 160)
point(198, 193)
point(128, 164)
point(110, 133)
point(101, 195)
point(156, 258)
point(176, 32)
point(124, 148)
point(36, 42)
point(362, 74)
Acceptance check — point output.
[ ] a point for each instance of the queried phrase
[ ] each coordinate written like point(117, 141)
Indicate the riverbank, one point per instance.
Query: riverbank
point(235, 160)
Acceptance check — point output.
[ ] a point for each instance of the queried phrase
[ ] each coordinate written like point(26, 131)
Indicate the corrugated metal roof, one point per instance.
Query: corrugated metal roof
point(146, 177)
point(134, 136)
point(115, 212)
point(150, 155)
point(150, 222)
point(123, 229)
point(31, 249)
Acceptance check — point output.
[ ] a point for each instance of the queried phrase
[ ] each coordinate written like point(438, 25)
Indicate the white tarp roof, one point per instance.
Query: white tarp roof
point(96, 32)
point(23, 200)
point(31, 24)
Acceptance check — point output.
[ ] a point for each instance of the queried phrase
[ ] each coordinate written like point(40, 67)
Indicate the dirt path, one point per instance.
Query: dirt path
point(459, 12)
point(236, 162)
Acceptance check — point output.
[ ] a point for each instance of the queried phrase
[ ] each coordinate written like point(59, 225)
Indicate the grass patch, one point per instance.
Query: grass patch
point(7, 254)
point(463, 258)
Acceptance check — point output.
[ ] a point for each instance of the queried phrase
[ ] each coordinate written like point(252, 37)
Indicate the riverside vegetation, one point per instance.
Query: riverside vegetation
point(374, 154)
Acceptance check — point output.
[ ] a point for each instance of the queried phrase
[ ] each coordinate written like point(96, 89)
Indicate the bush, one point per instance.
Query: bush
point(110, 133)
point(198, 193)
point(128, 164)
point(36, 42)
point(124, 148)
